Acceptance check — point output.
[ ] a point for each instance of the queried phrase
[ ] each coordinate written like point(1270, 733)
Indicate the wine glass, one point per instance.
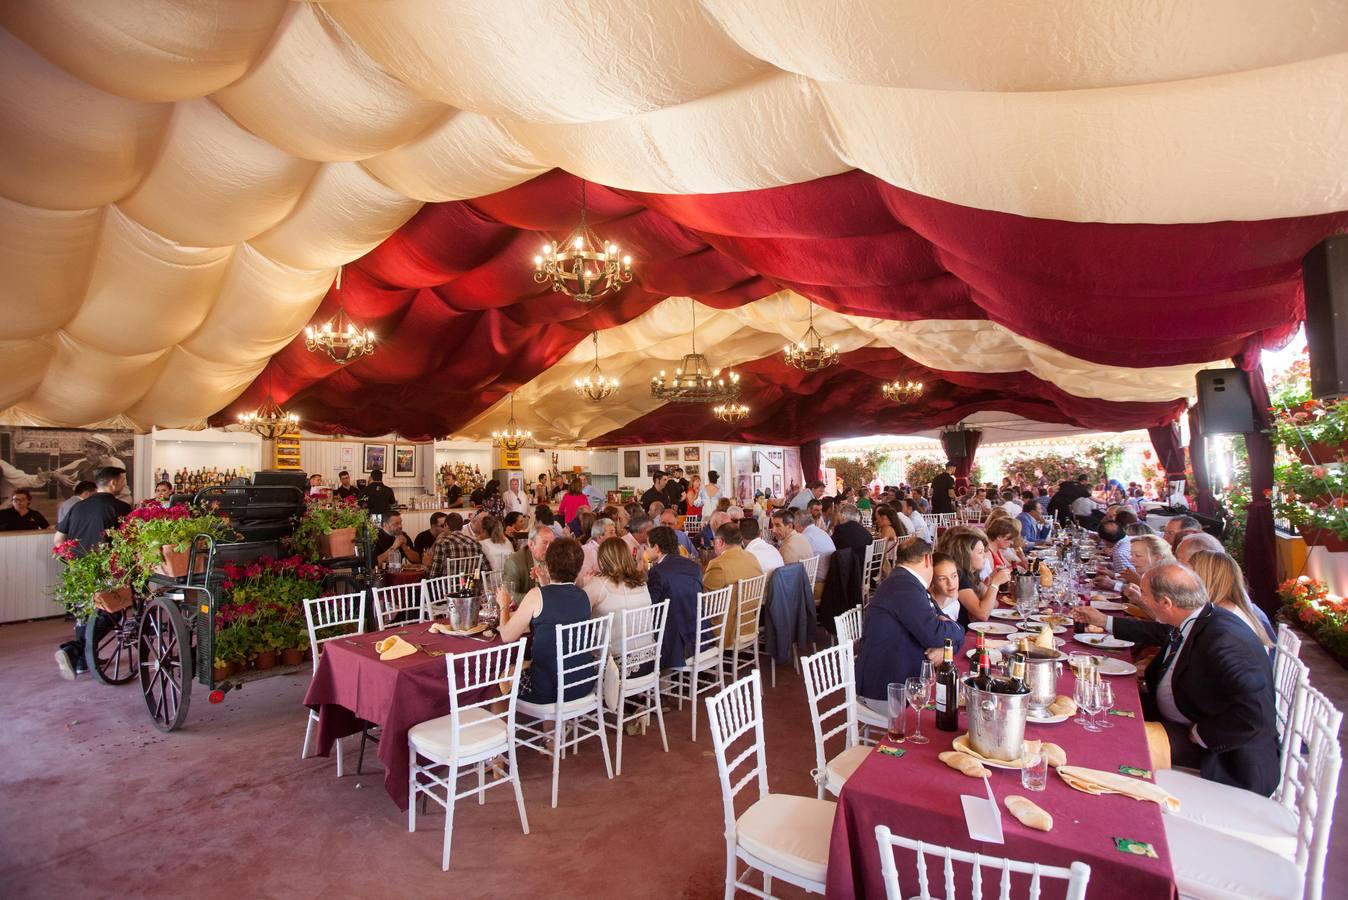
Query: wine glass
point(916, 689)
point(1093, 697)
point(1079, 692)
point(928, 675)
point(1106, 690)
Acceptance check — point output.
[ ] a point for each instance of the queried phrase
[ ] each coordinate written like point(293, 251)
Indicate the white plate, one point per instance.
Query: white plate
point(1105, 595)
point(1004, 614)
point(1103, 641)
point(1058, 627)
point(994, 656)
point(1047, 720)
point(1109, 605)
point(992, 627)
point(1020, 634)
point(1111, 666)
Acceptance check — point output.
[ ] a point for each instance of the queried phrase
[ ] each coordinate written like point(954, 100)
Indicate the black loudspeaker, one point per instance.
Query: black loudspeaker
point(1224, 405)
point(953, 441)
point(1325, 273)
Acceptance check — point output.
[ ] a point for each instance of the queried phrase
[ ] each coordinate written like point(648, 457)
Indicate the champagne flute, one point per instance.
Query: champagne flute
point(1106, 689)
point(916, 689)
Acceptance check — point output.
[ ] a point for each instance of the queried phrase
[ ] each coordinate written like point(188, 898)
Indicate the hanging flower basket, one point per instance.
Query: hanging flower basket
point(339, 543)
point(175, 562)
point(1321, 454)
point(1323, 537)
point(114, 600)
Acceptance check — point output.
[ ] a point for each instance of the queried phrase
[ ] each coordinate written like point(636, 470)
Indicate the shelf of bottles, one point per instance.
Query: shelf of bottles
point(287, 452)
point(189, 481)
point(469, 478)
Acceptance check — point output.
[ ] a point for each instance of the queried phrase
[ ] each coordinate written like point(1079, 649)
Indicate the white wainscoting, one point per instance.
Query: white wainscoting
point(27, 572)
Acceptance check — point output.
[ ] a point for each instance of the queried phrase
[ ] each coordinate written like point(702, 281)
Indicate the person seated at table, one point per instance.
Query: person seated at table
point(21, 516)
point(600, 531)
point(572, 501)
point(849, 532)
point(656, 510)
point(523, 567)
point(709, 526)
point(1010, 504)
point(516, 527)
point(793, 546)
point(977, 596)
point(1210, 688)
point(679, 580)
point(345, 490)
point(945, 586)
point(824, 512)
point(901, 626)
point(390, 537)
point(1225, 582)
point(1032, 522)
point(426, 539)
point(1179, 528)
point(541, 610)
point(731, 565)
point(1002, 534)
point(1195, 543)
point(454, 544)
point(618, 585)
point(670, 519)
point(377, 497)
point(638, 535)
point(618, 516)
point(495, 545)
point(543, 516)
point(769, 557)
point(821, 543)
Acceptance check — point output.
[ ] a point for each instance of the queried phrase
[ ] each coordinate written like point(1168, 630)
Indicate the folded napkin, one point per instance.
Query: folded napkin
point(394, 648)
point(443, 628)
point(964, 745)
point(1094, 781)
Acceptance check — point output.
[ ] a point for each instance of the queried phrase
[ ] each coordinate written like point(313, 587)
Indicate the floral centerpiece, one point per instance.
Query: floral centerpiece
point(154, 539)
point(1326, 617)
point(261, 610)
point(329, 528)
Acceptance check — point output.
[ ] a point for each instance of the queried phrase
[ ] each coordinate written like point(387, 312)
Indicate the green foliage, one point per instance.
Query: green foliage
point(138, 543)
point(324, 517)
point(922, 469)
point(1051, 468)
point(1103, 460)
point(854, 472)
point(83, 577)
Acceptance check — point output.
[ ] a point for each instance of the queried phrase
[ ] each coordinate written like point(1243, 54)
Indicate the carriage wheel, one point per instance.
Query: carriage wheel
point(110, 646)
point(165, 646)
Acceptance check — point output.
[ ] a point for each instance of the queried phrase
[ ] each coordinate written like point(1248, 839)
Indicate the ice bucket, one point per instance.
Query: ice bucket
point(1041, 677)
point(462, 613)
point(1027, 589)
point(996, 722)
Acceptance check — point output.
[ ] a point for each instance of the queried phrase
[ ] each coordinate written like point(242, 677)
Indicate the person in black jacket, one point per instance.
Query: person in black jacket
point(679, 581)
point(1211, 686)
point(376, 496)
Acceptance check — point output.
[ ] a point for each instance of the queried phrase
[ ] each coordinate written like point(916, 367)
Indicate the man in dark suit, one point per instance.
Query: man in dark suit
point(849, 532)
point(679, 581)
point(1211, 686)
point(901, 626)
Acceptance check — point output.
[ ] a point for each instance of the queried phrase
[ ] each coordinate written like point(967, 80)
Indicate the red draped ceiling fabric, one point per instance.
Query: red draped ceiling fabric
point(462, 322)
point(811, 458)
point(1165, 439)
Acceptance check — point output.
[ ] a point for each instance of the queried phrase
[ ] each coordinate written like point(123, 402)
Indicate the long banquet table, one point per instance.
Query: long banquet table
point(353, 686)
point(917, 795)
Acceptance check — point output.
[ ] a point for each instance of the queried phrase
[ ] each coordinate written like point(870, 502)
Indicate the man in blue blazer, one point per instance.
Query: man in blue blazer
point(900, 625)
point(678, 580)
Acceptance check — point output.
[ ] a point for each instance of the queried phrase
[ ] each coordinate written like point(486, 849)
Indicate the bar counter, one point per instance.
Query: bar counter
point(27, 573)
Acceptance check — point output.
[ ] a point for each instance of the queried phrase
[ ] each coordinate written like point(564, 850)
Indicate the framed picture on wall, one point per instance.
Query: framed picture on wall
point(692, 454)
point(653, 455)
point(631, 463)
point(376, 457)
point(651, 469)
point(671, 454)
point(758, 483)
point(404, 459)
point(716, 462)
point(777, 485)
point(692, 469)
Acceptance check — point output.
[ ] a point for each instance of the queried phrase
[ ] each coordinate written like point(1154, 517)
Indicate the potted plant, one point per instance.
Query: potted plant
point(329, 528)
point(1315, 431)
point(1308, 602)
point(152, 540)
point(298, 639)
point(1312, 500)
point(95, 580)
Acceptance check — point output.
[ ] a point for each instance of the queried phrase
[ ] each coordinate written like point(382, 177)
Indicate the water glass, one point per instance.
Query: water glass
point(1079, 694)
point(1093, 697)
point(898, 705)
point(1034, 772)
point(1106, 690)
point(916, 690)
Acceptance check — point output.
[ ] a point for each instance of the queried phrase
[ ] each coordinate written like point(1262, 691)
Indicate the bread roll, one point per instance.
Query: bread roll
point(1029, 815)
point(962, 762)
point(1055, 755)
point(1063, 705)
point(1044, 639)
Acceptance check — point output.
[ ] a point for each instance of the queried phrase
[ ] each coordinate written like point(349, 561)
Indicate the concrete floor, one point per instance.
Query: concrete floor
point(96, 802)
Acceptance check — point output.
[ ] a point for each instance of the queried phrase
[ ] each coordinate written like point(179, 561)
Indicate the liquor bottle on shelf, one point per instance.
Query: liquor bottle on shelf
point(947, 691)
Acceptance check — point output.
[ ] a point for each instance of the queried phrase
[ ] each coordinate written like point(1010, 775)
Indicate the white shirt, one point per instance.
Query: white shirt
point(1013, 508)
point(497, 553)
point(608, 597)
point(514, 502)
point(820, 543)
point(768, 556)
point(1082, 506)
point(919, 525)
point(1165, 692)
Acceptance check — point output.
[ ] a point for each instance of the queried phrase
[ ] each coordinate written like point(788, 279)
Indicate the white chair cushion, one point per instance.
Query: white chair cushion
point(1239, 813)
point(868, 716)
point(709, 657)
point(570, 708)
point(840, 768)
point(1210, 865)
point(479, 733)
point(640, 683)
point(789, 832)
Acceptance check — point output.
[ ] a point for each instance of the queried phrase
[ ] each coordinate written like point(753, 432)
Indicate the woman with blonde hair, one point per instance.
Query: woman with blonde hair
point(619, 585)
point(1226, 589)
point(693, 497)
point(495, 546)
point(968, 548)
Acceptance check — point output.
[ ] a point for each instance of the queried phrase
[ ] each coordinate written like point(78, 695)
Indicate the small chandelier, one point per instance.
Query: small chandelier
point(269, 419)
point(809, 353)
point(730, 412)
point(596, 386)
point(902, 391)
point(695, 381)
point(339, 337)
point(581, 265)
point(512, 439)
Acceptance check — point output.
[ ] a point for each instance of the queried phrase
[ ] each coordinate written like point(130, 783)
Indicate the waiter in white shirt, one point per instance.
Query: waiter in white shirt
point(514, 500)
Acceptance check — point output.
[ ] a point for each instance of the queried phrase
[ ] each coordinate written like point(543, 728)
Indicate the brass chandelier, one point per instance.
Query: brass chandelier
point(513, 438)
point(581, 265)
point(695, 381)
point(339, 337)
point(902, 391)
point(730, 412)
point(810, 354)
point(269, 420)
point(596, 386)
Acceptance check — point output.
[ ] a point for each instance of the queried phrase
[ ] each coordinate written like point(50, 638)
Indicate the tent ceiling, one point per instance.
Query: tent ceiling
point(180, 179)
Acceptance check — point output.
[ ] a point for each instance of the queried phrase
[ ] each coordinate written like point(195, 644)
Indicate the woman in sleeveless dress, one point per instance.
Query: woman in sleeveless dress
point(541, 611)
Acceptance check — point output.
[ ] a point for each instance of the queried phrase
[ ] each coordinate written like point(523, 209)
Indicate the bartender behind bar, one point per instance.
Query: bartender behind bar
point(21, 516)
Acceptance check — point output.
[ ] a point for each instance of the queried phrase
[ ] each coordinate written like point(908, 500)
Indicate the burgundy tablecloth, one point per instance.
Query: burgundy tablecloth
point(917, 796)
point(353, 686)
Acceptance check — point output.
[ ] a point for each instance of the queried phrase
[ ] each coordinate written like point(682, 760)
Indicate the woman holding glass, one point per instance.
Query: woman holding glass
point(969, 550)
point(540, 612)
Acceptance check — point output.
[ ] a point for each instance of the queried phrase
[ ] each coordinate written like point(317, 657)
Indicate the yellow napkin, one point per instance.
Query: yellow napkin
point(394, 648)
point(966, 746)
point(1094, 781)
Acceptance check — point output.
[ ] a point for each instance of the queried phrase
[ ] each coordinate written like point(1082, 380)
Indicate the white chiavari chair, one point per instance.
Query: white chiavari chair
point(811, 564)
point(830, 678)
point(702, 671)
point(398, 604)
point(871, 566)
point(338, 616)
point(636, 691)
point(742, 638)
point(781, 835)
point(1077, 877)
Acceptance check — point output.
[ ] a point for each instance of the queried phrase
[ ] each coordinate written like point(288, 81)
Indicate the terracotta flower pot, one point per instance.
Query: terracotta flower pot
point(175, 563)
point(1323, 537)
point(220, 673)
point(265, 659)
point(337, 544)
point(1319, 454)
point(292, 656)
point(114, 600)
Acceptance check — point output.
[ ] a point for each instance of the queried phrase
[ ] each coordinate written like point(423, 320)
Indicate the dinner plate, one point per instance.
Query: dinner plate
point(1111, 666)
point(1103, 641)
point(1109, 605)
point(1105, 595)
point(1054, 619)
point(961, 744)
point(1004, 614)
point(994, 655)
point(992, 627)
point(1057, 641)
point(1047, 720)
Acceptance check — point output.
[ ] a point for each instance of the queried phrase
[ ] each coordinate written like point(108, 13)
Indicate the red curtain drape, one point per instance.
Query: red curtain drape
point(1165, 439)
point(811, 456)
point(1261, 565)
point(964, 463)
point(1206, 504)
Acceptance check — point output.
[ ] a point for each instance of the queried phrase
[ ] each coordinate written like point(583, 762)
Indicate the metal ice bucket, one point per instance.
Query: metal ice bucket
point(1041, 677)
point(996, 722)
point(462, 613)
point(1027, 588)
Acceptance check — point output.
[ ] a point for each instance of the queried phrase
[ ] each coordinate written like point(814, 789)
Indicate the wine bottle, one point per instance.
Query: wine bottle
point(947, 692)
point(1016, 681)
point(983, 680)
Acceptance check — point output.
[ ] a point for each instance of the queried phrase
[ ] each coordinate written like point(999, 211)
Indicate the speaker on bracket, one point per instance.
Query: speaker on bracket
point(1224, 404)
point(1324, 272)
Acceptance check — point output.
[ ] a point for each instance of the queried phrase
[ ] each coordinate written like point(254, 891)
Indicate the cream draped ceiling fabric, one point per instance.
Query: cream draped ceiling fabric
point(179, 180)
